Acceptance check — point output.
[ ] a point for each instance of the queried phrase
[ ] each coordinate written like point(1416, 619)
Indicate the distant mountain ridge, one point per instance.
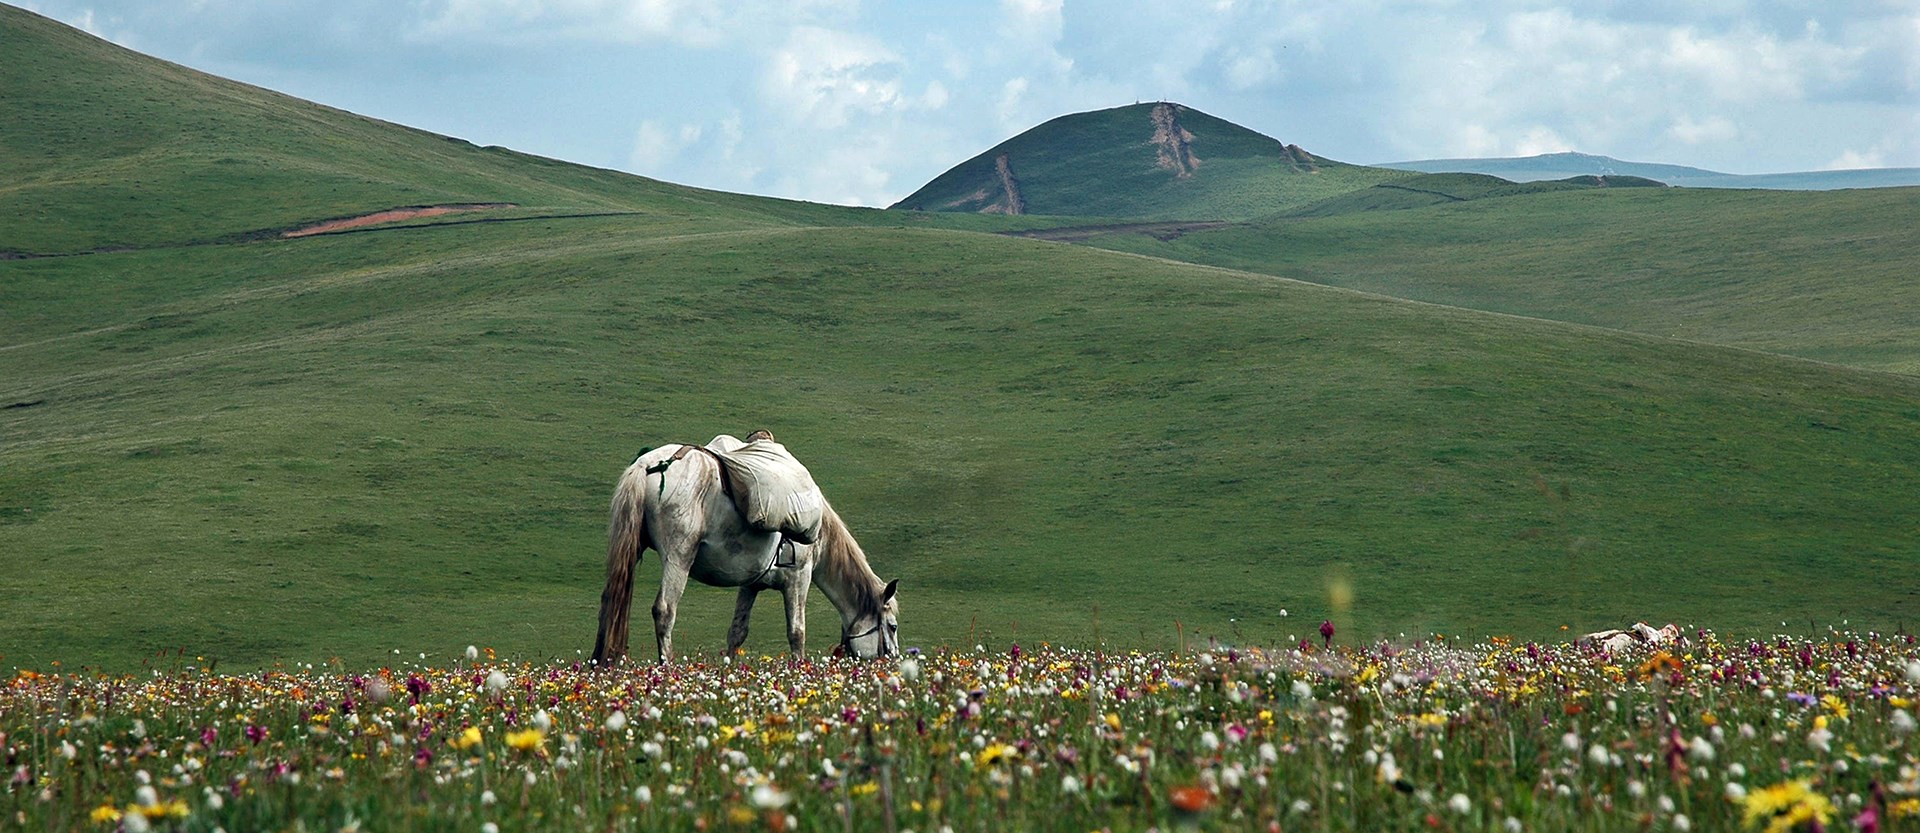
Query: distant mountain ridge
point(1564, 165)
point(1157, 160)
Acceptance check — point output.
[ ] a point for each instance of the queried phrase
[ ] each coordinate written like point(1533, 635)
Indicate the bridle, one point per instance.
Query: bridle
point(846, 640)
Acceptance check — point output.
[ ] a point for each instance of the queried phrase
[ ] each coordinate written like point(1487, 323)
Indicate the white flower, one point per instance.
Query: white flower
point(1302, 690)
point(135, 823)
point(616, 721)
point(1636, 789)
point(1283, 613)
point(1820, 740)
point(473, 653)
point(910, 668)
point(488, 799)
point(1570, 742)
point(1209, 741)
point(67, 751)
point(1736, 771)
point(1665, 804)
point(1300, 805)
point(146, 796)
point(1735, 792)
point(496, 681)
point(1682, 823)
point(490, 827)
point(1460, 803)
point(766, 797)
point(1913, 671)
point(1902, 723)
point(1389, 769)
point(1268, 754)
point(643, 794)
point(542, 720)
point(1700, 749)
point(1070, 784)
point(1598, 755)
point(1512, 825)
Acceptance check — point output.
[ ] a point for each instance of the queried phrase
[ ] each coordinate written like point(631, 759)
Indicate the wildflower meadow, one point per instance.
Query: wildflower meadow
point(1786, 733)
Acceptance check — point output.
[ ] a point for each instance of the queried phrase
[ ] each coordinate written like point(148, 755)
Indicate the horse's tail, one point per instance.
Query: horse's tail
point(626, 538)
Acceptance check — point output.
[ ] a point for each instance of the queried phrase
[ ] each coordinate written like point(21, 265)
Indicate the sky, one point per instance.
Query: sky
point(861, 103)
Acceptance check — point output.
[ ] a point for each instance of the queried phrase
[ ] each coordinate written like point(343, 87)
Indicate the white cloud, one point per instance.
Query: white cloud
point(1856, 159)
point(821, 76)
point(656, 145)
point(1711, 129)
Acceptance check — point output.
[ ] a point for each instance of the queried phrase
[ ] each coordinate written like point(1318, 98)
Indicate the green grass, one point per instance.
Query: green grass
point(1826, 275)
point(342, 445)
point(1439, 189)
point(1102, 163)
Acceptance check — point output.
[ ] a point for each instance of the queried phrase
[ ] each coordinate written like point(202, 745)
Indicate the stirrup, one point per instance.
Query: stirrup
point(792, 556)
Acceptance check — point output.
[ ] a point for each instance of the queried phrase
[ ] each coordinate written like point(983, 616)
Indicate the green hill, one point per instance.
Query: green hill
point(1438, 189)
point(1549, 166)
point(101, 147)
point(404, 439)
point(1157, 161)
point(1823, 275)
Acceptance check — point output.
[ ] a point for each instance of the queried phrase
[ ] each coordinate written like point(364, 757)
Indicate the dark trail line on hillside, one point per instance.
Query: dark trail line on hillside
point(1162, 231)
point(279, 234)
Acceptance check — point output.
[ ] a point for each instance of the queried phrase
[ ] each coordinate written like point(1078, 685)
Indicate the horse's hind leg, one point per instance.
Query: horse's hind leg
point(795, 595)
point(673, 583)
point(742, 613)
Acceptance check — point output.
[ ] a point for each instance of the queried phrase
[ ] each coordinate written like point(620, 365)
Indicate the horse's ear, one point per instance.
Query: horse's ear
point(887, 595)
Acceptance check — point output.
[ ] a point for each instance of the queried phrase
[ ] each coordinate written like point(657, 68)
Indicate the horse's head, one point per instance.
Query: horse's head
point(876, 633)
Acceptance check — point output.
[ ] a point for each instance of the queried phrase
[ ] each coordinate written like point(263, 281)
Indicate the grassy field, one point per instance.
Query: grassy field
point(1103, 163)
point(1824, 275)
point(344, 445)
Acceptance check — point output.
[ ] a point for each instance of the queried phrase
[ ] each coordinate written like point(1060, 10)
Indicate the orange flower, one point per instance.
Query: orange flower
point(1191, 799)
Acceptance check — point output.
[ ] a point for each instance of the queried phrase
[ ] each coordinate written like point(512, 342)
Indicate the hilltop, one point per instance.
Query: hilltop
point(261, 449)
point(1563, 165)
point(1159, 161)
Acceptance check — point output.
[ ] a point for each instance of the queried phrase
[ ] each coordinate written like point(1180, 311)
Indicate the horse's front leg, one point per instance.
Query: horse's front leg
point(673, 584)
point(795, 595)
point(742, 613)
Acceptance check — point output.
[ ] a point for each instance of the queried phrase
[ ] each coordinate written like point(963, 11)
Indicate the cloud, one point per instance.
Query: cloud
point(655, 145)
point(1711, 129)
point(821, 76)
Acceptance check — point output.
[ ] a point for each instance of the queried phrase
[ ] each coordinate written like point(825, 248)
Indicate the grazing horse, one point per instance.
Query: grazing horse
point(675, 503)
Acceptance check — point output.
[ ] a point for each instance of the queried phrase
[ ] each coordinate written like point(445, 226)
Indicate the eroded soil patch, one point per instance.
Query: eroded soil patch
point(390, 215)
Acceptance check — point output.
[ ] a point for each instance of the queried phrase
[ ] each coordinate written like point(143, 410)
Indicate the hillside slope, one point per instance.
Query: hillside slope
point(342, 445)
point(1161, 161)
point(102, 147)
point(1562, 165)
point(1823, 275)
point(1439, 189)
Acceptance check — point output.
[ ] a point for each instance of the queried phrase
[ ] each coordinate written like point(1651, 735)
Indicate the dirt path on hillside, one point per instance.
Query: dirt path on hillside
point(390, 215)
point(1159, 231)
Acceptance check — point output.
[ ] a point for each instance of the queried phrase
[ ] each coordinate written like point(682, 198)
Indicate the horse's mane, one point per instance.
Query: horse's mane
point(839, 554)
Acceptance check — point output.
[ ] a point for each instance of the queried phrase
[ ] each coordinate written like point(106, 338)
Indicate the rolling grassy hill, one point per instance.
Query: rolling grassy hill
point(1157, 161)
point(1550, 166)
point(1439, 189)
point(344, 445)
point(1823, 275)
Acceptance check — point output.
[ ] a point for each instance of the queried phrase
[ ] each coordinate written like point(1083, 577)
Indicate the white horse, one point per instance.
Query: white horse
point(674, 502)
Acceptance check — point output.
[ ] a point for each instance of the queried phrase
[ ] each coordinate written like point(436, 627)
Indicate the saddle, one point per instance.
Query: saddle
point(772, 491)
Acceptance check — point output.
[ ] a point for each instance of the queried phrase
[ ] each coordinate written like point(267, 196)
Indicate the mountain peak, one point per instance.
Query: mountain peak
point(1157, 159)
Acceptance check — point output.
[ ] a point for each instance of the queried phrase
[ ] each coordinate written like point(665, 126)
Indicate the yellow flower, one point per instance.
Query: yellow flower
point(467, 739)
point(1113, 720)
point(996, 753)
point(739, 815)
point(106, 814)
point(1432, 720)
point(1835, 705)
point(530, 740)
point(1903, 808)
point(1788, 805)
point(869, 788)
